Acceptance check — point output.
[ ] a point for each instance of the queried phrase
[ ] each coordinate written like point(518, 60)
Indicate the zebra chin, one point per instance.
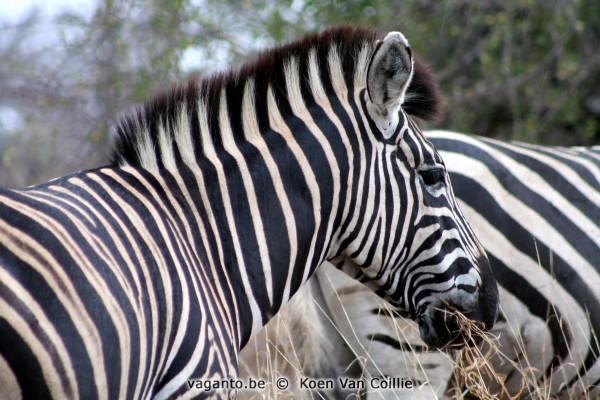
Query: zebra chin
point(441, 325)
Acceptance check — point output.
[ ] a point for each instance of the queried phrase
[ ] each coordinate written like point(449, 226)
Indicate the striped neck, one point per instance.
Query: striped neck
point(274, 159)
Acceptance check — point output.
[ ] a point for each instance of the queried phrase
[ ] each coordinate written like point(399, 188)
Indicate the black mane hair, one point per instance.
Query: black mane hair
point(423, 99)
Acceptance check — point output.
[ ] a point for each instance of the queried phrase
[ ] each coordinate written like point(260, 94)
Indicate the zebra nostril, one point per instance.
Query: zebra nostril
point(489, 299)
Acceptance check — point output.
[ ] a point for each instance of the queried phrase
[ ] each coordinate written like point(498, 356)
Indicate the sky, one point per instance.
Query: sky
point(13, 10)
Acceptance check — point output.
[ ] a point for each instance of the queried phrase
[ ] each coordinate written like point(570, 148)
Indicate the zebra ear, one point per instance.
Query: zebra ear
point(388, 77)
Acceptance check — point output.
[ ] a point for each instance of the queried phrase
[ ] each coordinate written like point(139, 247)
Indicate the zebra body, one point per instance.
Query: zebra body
point(536, 210)
point(97, 304)
point(224, 197)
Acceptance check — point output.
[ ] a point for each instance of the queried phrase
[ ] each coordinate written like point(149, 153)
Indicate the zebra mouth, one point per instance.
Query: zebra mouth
point(441, 329)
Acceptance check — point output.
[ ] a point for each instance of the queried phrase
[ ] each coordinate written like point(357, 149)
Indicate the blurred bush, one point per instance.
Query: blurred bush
point(519, 69)
point(522, 69)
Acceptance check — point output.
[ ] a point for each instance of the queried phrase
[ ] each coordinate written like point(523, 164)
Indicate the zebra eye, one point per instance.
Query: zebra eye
point(433, 176)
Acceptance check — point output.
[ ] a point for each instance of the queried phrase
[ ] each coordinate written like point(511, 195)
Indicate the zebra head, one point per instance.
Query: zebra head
point(408, 239)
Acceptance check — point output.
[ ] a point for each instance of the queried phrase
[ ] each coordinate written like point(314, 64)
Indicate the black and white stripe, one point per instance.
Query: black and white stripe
point(536, 210)
point(223, 199)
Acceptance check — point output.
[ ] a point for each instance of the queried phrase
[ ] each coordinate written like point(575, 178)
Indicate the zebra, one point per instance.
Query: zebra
point(536, 210)
point(145, 277)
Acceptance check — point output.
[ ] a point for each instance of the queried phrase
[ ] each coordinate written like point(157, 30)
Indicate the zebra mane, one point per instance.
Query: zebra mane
point(139, 136)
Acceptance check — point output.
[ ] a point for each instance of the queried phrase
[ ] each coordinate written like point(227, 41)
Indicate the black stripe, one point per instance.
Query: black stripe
point(396, 344)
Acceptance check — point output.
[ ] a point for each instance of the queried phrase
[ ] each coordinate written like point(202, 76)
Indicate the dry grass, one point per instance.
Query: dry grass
point(479, 372)
point(474, 376)
point(473, 369)
point(286, 348)
point(271, 355)
point(477, 376)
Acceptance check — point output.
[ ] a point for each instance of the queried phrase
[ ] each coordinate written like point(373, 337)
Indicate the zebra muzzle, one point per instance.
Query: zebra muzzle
point(449, 327)
point(445, 325)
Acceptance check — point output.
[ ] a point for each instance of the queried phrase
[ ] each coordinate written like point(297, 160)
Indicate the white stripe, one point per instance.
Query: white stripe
point(183, 138)
point(208, 147)
point(145, 149)
point(165, 147)
point(9, 385)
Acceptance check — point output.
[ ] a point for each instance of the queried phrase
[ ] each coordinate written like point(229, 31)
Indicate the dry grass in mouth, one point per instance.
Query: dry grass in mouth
point(478, 369)
point(473, 370)
point(476, 377)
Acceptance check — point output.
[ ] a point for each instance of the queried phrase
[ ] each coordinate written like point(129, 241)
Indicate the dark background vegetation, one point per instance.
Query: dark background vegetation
point(525, 70)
